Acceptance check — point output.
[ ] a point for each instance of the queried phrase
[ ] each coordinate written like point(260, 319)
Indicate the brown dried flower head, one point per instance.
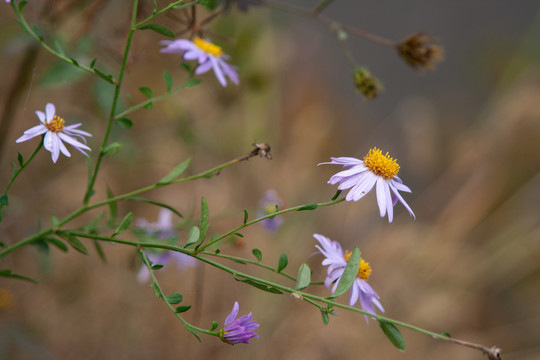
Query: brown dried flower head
point(419, 51)
point(366, 84)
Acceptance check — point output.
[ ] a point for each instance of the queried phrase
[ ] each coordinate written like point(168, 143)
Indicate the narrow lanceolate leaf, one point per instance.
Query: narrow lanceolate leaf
point(59, 48)
point(124, 224)
point(177, 171)
point(245, 216)
point(260, 286)
point(8, 273)
point(204, 220)
point(393, 334)
point(308, 207)
point(325, 317)
point(138, 198)
point(76, 244)
point(57, 242)
point(304, 277)
point(4, 200)
point(112, 208)
point(100, 251)
point(20, 159)
point(175, 298)
point(193, 236)
point(160, 29)
point(350, 273)
point(283, 262)
point(257, 253)
point(168, 80)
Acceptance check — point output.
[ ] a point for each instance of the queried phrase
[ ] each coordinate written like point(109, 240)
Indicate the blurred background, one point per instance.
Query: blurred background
point(465, 135)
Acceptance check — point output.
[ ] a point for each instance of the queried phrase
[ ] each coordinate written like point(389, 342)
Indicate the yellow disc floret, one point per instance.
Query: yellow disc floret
point(364, 270)
point(56, 124)
point(208, 47)
point(382, 165)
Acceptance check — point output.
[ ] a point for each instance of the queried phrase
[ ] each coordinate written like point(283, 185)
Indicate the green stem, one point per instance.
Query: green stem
point(165, 9)
point(295, 208)
point(23, 165)
point(187, 83)
point(92, 181)
point(29, 30)
point(86, 208)
point(158, 289)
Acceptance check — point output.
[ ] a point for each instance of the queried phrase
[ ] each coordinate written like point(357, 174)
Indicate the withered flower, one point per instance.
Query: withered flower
point(419, 51)
point(366, 84)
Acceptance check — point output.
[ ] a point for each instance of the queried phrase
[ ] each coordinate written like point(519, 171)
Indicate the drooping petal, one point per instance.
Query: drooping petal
point(73, 142)
point(32, 132)
point(218, 72)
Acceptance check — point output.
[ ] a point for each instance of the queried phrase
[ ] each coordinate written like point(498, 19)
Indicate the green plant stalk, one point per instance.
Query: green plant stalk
point(86, 208)
point(164, 298)
point(296, 208)
point(92, 181)
point(29, 30)
point(150, 101)
point(165, 9)
point(304, 295)
point(24, 164)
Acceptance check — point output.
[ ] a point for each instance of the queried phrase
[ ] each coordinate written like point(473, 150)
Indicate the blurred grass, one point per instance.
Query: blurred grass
point(468, 265)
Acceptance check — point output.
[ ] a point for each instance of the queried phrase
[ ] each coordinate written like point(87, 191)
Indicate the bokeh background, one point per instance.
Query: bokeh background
point(465, 135)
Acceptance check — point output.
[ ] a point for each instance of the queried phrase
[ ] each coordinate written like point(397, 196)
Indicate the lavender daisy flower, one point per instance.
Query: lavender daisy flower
point(239, 330)
point(55, 131)
point(337, 261)
point(267, 206)
point(208, 55)
point(362, 175)
point(163, 230)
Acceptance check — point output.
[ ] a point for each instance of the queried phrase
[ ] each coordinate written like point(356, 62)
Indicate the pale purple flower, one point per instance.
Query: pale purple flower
point(239, 330)
point(55, 133)
point(267, 206)
point(163, 230)
point(375, 170)
point(336, 260)
point(208, 55)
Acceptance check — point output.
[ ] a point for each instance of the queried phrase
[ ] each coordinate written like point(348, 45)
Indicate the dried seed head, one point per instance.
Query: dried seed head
point(419, 51)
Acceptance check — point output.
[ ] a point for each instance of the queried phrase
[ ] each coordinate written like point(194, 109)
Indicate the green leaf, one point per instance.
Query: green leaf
point(106, 77)
point(304, 277)
point(156, 267)
point(283, 262)
point(54, 221)
point(260, 286)
point(190, 83)
point(73, 61)
point(446, 333)
point(124, 123)
point(37, 32)
point(99, 250)
point(57, 242)
point(194, 334)
point(393, 334)
point(160, 29)
point(258, 254)
point(59, 48)
point(239, 234)
point(308, 207)
point(42, 245)
point(112, 208)
point(22, 5)
point(76, 243)
point(350, 273)
point(157, 292)
point(214, 325)
point(193, 236)
point(4, 200)
point(182, 308)
point(20, 159)
point(245, 216)
point(177, 171)
point(92, 63)
point(147, 91)
point(9, 273)
point(138, 198)
point(168, 80)
point(174, 299)
point(204, 221)
point(92, 225)
point(325, 317)
point(112, 148)
point(124, 224)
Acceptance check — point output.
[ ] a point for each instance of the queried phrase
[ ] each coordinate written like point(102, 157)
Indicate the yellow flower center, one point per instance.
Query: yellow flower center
point(364, 270)
point(208, 47)
point(382, 165)
point(270, 209)
point(56, 124)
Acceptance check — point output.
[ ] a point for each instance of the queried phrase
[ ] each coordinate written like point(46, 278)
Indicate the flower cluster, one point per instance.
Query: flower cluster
point(336, 260)
point(361, 176)
point(208, 56)
point(236, 331)
point(55, 132)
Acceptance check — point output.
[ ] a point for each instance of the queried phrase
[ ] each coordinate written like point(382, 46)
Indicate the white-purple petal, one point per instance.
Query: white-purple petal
point(50, 111)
